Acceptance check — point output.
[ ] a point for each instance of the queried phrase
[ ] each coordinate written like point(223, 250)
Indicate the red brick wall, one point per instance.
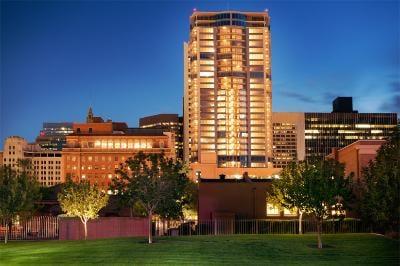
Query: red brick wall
point(104, 227)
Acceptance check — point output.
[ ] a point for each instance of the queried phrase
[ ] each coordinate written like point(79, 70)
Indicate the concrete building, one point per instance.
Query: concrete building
point(169, 123)
point(52, 136)
point(13, 151)
point(228, 94)
point(357, 156)
point(45, 165)
point(324, 131)
point(96, 149)
point(288, 138)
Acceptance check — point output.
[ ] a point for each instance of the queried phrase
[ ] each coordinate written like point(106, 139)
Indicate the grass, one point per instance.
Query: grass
point(343, 249)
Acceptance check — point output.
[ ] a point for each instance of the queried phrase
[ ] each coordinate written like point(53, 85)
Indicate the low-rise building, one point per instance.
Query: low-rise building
point(357, 156)
point(246, 198)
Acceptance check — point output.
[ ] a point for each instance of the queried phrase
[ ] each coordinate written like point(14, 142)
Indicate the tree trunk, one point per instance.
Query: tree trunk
point(150, 227)
point(6, 235)
point(300, 222)
point(85, 227)
point(319, 229)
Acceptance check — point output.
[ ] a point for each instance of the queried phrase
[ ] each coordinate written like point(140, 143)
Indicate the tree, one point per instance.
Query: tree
point(158, 184)
point(325, 187)
point(288, 190)
point(380, 188)
point(24, 164)
point(82, 200)
point(18, 194)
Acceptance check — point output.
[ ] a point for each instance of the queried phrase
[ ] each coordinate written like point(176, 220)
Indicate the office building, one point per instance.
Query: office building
point(45, 165)
point(324, 131)
point(228, 94)
point(52, 135)
point(97, 148)
point(288, 138)
point(169, 123)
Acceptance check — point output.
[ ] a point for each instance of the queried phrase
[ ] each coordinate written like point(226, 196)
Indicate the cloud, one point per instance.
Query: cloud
point(298, 96)
point(392, 104)
point(328, 97)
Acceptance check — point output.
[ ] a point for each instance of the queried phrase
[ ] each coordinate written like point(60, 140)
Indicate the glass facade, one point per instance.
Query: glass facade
point(324, 131)
point(228, 89)
point(52, 136)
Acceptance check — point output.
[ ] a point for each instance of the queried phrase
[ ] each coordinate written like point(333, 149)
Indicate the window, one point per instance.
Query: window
point(287, 212)
point(272, 210)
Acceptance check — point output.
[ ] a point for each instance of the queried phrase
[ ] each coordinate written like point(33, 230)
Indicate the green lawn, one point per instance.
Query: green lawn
point(344, 249)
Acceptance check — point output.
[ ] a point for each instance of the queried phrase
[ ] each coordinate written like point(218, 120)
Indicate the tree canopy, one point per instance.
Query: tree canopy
point(18, 193)
point(156, 183)
point(315, 187)
point(82, 200)
point(380, 188)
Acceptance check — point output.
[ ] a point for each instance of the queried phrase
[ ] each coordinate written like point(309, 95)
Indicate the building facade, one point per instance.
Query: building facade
point(96, 149)
point(45, 165)
point(169, 123)
point(237, 199)
point(357, 156)
point(288, 138)
point(52, 136)
point(325, 131)
point(228, 94)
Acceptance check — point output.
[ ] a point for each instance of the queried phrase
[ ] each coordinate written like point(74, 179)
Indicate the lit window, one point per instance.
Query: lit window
point(288, 212)
point(272, 210)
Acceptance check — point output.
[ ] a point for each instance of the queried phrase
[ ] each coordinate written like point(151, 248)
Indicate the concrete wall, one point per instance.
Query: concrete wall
point(104, 227)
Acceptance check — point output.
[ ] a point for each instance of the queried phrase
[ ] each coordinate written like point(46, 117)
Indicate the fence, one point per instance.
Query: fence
point(49, 227)
point(103, 227)
point(231, 226)
point(34, 228)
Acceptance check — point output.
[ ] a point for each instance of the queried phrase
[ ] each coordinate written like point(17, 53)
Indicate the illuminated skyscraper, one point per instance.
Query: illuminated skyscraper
point(228, 94)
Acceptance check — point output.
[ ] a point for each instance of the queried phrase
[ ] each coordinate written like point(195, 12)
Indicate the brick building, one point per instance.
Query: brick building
point(97, 148)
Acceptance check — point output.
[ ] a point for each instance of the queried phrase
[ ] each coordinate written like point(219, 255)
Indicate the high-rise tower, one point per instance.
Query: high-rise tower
point(227, 101)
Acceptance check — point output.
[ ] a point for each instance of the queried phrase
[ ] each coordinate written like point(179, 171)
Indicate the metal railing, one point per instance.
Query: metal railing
point(33, 228)
point(253, 226)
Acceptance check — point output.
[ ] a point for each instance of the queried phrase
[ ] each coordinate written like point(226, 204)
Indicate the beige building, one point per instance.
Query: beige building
point(228, 94)
point(288, 138)
point(13, 151)
point(45, 165)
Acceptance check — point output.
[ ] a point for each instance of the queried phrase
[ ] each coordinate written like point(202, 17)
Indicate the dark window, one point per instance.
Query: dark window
point(90, 130)
point(257, 75)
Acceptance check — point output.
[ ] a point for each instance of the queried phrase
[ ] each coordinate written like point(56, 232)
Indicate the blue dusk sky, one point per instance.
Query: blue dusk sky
point(125, 58)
